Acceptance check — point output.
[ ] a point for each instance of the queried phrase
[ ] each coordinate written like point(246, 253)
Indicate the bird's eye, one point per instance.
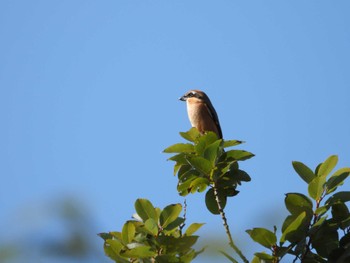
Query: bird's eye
point(191, 94)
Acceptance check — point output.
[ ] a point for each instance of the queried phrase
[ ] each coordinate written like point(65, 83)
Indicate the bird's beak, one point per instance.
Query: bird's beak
point(183, 98)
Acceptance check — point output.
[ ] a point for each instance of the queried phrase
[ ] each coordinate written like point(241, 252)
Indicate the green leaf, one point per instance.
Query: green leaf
point(128, 232)
point(321, 210)
point(179, 158)
point(199, 184)
point(190, 135)
point(263, 236)
point(145, 209)
point(319, 222)
point(256, 260)
point(112, 249)
point(209, 137)
point(282, 251)
point(180, 148)
point(240, 175)
point(211, 152)
point(303, 171)
point(169, 214)
point(200, 164)
point(316, 187)
point(174, 225)
point(177, 245)
point(342, 197)
point(105, 236)
point(139, 252)
point(177, 167)
point(264, 256)
point(238, 155)
point(297, 203)
point(328, 165)
point(193, 228)
point(230, 143)
point(339, 212)
point(151, 226)
point(183, 186)
point(186, 171)
point(228, 256)
point(200, 146)
point(325, 240)
point(211, 203)
point(293, 229)
point(337, 179)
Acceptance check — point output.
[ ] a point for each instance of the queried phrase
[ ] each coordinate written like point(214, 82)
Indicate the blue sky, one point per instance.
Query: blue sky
point(89, 99)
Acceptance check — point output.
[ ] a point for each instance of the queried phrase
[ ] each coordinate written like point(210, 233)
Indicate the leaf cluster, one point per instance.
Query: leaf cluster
point(154, 235)
point(315, 230)
point(204, 163)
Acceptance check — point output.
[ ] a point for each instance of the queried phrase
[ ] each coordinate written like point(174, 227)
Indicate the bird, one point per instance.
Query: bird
point(201, 112)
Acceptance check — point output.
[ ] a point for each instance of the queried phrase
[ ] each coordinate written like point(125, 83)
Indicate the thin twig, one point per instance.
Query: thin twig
point(226, 226)
point(315, 218)
point(184, 217)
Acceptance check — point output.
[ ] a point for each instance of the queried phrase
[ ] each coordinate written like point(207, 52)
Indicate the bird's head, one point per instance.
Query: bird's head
point(196, 95)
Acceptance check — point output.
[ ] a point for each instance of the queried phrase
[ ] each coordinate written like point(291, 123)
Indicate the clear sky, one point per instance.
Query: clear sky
point(89, 99)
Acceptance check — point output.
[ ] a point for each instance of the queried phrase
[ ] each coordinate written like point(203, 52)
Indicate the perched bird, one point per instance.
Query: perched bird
point(201, 112)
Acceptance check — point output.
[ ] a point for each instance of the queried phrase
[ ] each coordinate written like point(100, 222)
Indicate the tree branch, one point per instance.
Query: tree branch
point(226, 226)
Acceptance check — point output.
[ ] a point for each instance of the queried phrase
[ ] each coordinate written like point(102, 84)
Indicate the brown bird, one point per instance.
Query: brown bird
point(201, 112)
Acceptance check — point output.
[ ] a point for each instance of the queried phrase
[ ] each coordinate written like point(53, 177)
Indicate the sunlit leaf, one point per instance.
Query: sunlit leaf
point(105, 236)
point(199, 184)
point(292, 228)
point(179, 158)
point(211, 152)
point(328, 165)
point(183, 187)
point(140, 252)
point(115, 245)
point(145, 209)
point(128, 232)
point(169, 214)
point(210, 137)
point(200, 164)
point(256, 260)
point(151, 226)
point(180, 148)
point(193, 228)
point(112, 249)
point(263, 236)
point(316, 187)
point(190, 135)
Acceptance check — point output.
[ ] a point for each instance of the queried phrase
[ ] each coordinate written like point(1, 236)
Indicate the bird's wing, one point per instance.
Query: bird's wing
point(214, 116)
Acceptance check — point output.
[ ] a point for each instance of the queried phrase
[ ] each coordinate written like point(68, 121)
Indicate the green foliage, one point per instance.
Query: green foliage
point(316, 230)
point(263, 236)
point(312, 230)
point(203, 163)
point(154, 235)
